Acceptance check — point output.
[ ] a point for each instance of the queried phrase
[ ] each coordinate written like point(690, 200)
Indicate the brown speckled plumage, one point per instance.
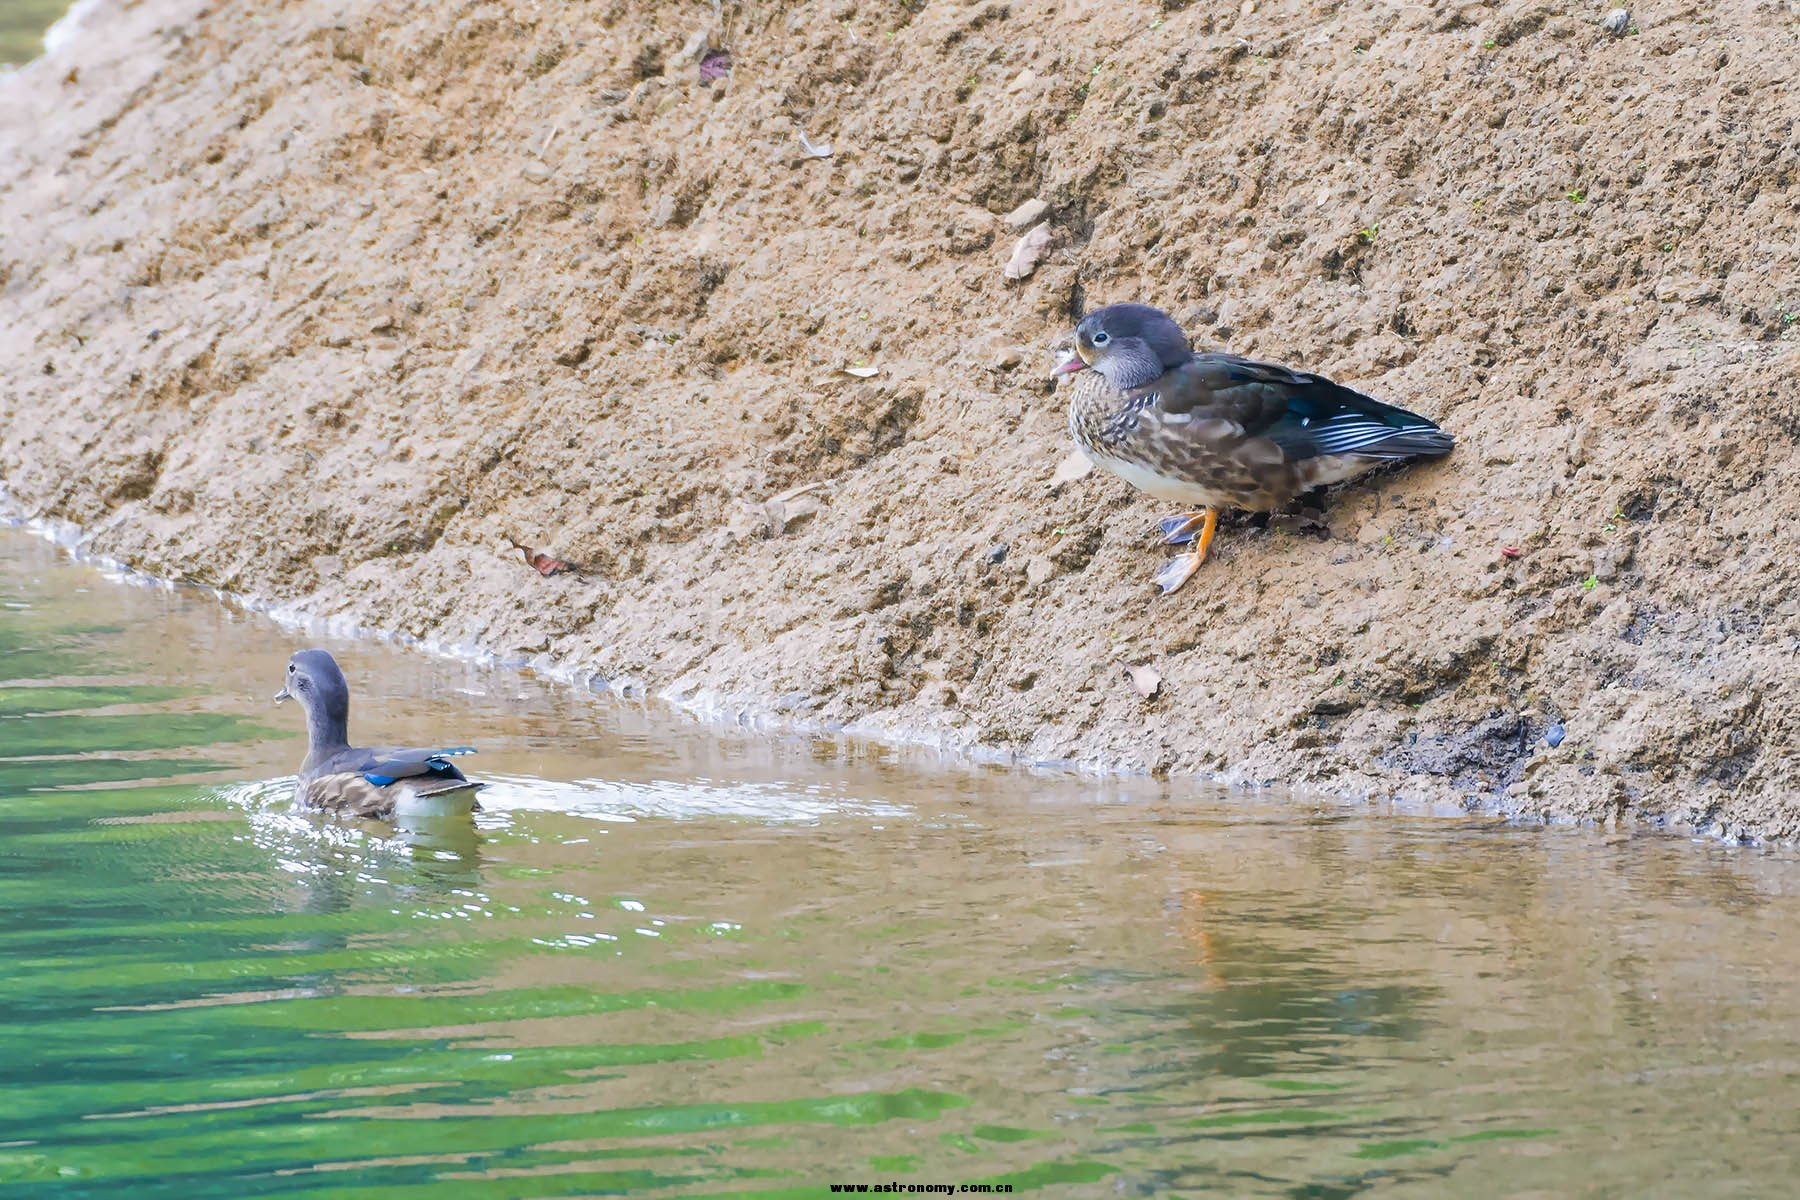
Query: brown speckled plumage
point(1216, 430)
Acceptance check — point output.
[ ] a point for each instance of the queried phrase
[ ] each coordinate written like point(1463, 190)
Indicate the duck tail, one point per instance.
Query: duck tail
point(1342, 420)
point(449, 785)
point(1421, 441)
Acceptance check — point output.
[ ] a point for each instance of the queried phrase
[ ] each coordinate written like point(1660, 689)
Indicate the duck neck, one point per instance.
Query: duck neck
point(327, 730)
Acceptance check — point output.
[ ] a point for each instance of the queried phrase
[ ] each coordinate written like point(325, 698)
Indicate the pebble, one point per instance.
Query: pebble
point(1617, 21)
point(1026, 214)
point(1553, 736)
point(996, 554)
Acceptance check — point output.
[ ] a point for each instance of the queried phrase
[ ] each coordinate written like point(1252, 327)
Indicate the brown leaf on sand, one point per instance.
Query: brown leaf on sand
point(1027, 251)
point(1145, 681)
point(542, 563)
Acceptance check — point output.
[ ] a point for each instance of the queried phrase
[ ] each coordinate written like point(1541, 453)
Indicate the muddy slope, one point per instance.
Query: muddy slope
point(329, 301)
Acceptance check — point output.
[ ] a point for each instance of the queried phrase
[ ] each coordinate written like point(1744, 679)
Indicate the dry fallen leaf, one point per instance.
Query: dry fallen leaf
point(1076, 466)
point(1028, 250)
point(792, 505)
point(863, 372)
point(540, 562)
point(785, 513)
point(1144, 681)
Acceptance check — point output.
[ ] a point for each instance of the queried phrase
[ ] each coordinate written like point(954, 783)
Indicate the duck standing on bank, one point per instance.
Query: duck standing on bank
point(380, 784)
point(1211, 431)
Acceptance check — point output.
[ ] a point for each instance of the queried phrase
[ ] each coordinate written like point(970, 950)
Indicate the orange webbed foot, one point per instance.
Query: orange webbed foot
point(1181, 568)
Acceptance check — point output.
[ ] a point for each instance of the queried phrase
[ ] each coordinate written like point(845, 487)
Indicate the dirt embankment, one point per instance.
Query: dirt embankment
point(329, 301)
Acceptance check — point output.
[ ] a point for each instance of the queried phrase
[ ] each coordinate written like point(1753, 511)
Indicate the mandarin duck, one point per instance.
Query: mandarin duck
point(1211, 431)
point(380, 784)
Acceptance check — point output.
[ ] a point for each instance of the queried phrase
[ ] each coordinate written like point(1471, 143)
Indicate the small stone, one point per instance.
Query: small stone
point(1617, 21)
point(1007, 357)
point(1027, 214)
point(1039, 571)
point(537, 171)
point(692, 49)
point(1553, 736)
point(996, 554)
point(1145, 680)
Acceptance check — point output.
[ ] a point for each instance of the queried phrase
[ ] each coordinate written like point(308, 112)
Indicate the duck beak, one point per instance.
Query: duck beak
point(282, 696)
point(1075, 363)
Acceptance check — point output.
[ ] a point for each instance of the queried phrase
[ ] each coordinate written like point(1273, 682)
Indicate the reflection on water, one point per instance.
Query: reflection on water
point(670, 961)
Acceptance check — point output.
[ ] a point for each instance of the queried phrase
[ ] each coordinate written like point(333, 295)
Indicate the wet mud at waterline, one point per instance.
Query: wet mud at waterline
point(341, 306)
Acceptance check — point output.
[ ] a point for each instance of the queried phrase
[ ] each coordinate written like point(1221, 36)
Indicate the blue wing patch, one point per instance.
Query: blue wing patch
point(431, 762)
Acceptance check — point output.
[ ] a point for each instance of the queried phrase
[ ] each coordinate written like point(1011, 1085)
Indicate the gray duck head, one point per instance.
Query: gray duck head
point(1130, 344)
point(313, 678)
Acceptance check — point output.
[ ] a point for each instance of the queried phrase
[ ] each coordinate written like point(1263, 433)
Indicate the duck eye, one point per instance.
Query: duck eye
point(290, 668)
point(1101, 338)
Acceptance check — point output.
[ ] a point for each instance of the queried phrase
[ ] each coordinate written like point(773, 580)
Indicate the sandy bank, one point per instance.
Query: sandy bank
point(327, 302)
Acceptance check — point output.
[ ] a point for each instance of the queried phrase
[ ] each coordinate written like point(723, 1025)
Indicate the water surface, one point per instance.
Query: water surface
point(22, 27)
point(670, 960)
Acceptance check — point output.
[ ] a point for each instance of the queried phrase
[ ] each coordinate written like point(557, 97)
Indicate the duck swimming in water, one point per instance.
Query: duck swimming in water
point(1211, 431)
point(381, 783)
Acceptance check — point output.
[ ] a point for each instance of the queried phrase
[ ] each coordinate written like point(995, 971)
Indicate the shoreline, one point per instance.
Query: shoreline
point(333, 307)
point(70, 539)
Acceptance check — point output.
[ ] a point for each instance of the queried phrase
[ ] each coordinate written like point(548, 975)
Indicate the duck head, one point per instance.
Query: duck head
point(1130, 344)
point(313, 679)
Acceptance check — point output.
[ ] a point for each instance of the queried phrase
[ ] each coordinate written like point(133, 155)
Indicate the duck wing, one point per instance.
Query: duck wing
point(389, 764)
point(1306, 415)
point(385, 766)
point(372, 782)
